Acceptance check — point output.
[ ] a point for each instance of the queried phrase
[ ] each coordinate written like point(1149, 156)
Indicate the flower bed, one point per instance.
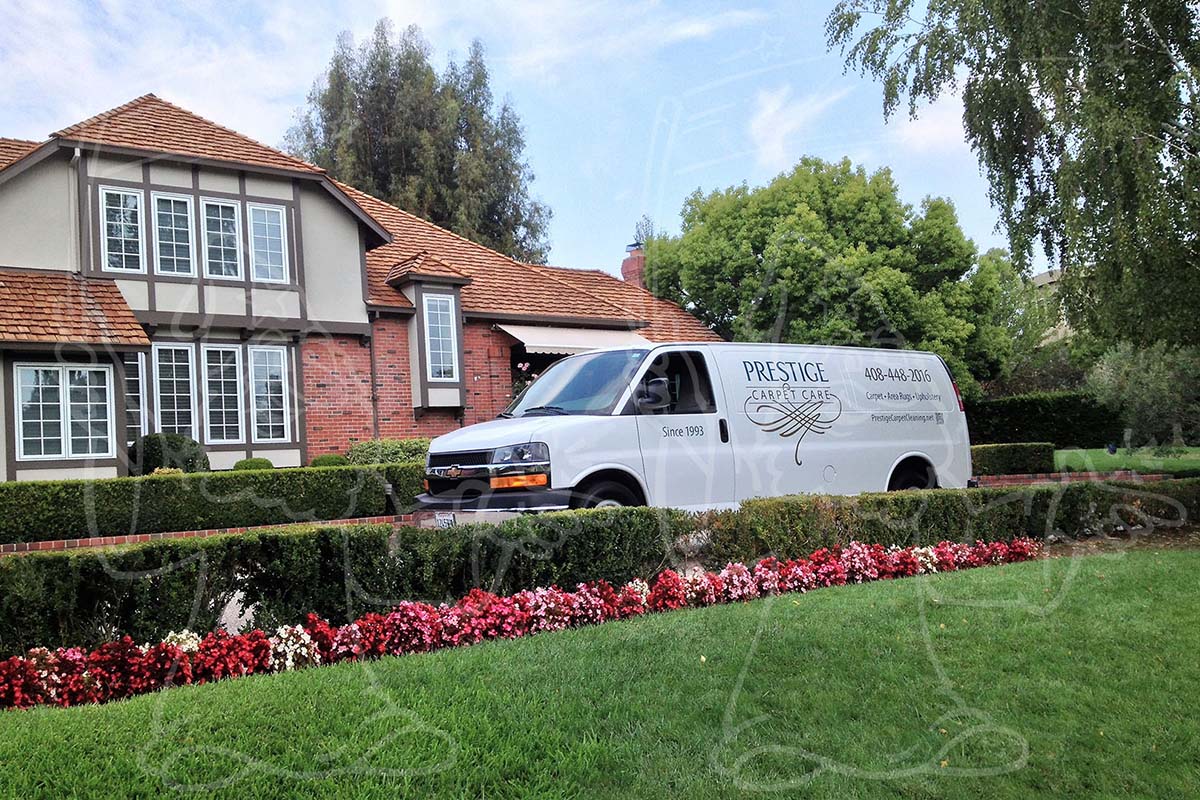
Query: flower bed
point(70, 676)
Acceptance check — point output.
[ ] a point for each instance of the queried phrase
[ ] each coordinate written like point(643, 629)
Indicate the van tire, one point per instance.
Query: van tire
point(603, 494)
point(914, 474)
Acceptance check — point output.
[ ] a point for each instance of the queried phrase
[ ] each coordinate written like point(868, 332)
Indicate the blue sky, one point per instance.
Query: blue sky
point(627, 106)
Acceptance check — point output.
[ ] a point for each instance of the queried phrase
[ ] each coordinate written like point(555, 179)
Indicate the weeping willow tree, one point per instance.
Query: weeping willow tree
point(1083, 114)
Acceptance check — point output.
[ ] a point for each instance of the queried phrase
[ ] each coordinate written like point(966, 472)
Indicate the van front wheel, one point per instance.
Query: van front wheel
point(603, 494)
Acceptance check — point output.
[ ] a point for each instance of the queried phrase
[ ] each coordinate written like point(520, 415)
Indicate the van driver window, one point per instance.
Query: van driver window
point(687, 381)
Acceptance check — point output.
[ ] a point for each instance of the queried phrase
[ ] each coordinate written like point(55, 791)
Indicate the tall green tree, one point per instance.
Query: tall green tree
point(1084, 117)
point(382, 119)
point(829, 254)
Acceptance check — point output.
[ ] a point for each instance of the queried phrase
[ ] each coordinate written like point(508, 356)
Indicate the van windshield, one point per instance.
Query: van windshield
point(584, 384)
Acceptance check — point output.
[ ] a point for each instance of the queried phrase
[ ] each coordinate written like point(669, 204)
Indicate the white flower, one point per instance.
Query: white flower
point(292, 648)
point(185, 640)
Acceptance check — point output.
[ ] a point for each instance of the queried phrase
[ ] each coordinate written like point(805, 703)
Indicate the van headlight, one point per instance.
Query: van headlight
point(517, 454)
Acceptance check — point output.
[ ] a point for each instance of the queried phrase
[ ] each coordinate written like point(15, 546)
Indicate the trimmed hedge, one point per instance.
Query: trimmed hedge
point(1068, 419)
point(44, 510)
point(791, 527)
point(1012, 459)
point(340, 572)
point(388, 451)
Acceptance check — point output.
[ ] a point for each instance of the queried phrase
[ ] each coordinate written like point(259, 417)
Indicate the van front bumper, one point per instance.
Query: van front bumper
point(507, 500)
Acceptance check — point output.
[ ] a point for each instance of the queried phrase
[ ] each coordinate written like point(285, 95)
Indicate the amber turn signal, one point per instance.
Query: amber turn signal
point(517, 481)
point(425, 483)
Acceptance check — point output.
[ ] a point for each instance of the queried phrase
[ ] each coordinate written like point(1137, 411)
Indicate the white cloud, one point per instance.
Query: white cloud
point(556, 34)
point(249, 66)
point(777, 119)
point(937, 128)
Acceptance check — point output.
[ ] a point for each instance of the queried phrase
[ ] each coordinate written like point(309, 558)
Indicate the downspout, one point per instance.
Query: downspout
point(374, 379)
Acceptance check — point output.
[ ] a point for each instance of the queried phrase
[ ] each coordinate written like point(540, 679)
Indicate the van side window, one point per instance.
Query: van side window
point(687, 380)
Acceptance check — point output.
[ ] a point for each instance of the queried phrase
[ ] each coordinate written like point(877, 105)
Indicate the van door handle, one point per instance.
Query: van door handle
point(723, 427)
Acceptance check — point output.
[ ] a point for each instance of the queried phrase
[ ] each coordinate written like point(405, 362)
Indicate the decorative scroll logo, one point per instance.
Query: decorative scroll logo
point(789, 414)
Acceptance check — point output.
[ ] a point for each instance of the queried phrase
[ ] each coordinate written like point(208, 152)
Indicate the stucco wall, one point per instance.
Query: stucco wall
point(38, 222)
point(333, 265)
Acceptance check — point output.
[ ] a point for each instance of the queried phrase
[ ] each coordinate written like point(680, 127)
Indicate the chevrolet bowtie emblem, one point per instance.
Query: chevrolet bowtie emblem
point(454, 471)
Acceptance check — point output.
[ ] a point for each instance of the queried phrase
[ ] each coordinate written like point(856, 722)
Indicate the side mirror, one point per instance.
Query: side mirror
point(654, 395)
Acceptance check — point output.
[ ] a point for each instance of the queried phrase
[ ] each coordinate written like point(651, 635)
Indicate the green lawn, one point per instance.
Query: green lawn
point(1142, 460)
point(1056, 678)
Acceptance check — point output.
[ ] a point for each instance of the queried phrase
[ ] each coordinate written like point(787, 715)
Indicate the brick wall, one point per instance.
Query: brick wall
point(488, 371)
point(336, 393)
point(337, 385)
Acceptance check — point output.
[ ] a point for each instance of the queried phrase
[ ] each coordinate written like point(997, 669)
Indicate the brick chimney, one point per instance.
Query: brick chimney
point(633, 268)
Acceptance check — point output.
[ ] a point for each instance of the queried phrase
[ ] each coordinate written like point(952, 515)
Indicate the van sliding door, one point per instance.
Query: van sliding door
point(687, 458)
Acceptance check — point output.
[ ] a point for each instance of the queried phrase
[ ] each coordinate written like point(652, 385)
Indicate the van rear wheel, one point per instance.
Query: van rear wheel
point(913, 476)
point(603, 494)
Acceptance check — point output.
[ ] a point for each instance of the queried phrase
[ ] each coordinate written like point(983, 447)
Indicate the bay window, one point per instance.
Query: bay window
point(173, 381)
point(269, 393)
point(441, 347)
point(135, 393)
point(268, 236)
point(121, 245)
point(64, 411)
point(222, 394)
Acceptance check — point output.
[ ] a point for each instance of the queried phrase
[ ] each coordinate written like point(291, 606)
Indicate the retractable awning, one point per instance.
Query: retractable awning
point(567, 341)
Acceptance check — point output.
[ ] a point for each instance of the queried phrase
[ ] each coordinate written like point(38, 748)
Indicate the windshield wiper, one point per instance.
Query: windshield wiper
point(504, 415)
point(551, 410)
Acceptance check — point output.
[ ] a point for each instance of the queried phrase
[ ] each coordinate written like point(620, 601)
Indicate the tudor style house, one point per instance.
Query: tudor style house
point(159, 272)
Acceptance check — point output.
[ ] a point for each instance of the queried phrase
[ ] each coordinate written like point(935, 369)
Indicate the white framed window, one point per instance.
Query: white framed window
point(173, 251)
point(222, 240)
point(269, 395)
point(64, 411)
point(268, 243)
point(122, 244)
point(222, 394)
point(136, 423)
point(174, 389)
point(441, 343)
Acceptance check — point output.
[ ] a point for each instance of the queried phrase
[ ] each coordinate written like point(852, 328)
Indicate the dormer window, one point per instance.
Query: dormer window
point(440, 346)
point(222, 239)
point(268, 233)
point(121, 245)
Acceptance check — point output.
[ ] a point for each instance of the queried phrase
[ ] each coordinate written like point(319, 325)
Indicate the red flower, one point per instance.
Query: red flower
point(20, 684)
point(668, 592)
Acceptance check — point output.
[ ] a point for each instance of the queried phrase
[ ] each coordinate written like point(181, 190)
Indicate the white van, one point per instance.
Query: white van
point(705, 426)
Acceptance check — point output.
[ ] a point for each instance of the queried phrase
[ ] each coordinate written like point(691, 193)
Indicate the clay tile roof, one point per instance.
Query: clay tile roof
point(422, 264)
point(49, 307)
point(15, 149)
point(498, 283)
point(668, 322)
point(151, 123)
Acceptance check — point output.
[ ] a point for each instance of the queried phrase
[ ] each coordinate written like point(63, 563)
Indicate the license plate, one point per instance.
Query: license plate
point(443, 519)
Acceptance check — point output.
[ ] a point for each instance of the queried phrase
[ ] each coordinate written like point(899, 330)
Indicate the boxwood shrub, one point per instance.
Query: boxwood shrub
point(388, 451)
point(171, 450)
point(330, 460)
point(253, 463)
point(1012, 459)
point(1068, 419)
